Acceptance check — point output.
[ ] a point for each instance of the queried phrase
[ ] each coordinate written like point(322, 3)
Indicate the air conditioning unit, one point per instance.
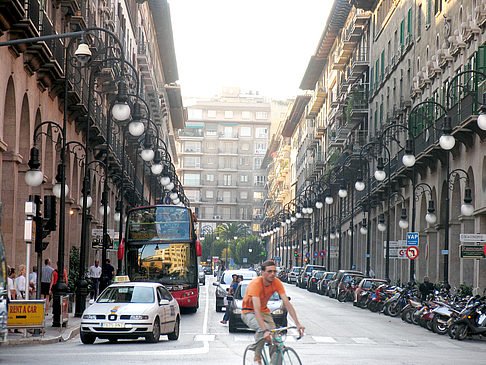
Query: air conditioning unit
point(217, 217)
point(220, 198)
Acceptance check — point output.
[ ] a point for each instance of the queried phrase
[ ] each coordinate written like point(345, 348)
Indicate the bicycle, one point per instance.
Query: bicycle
point(283, 355)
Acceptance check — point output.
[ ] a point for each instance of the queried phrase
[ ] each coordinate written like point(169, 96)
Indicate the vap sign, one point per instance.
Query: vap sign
point(412, 239)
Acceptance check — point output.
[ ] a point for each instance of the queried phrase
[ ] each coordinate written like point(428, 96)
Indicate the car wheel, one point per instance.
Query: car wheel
point(87, 339)
point(174, 335)
point(155, 335)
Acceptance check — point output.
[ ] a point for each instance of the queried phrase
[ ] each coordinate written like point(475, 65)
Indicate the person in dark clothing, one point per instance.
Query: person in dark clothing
point(426, 288)
point(110, 271)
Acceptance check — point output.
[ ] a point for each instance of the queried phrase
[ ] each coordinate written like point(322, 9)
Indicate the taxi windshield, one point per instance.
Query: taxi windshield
point(127, 294)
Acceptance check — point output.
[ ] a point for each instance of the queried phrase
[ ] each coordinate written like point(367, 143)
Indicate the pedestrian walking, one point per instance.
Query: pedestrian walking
point(55, 276)
point(95, 275)
point(33, 282)
point(426, 288)
point(110, 271)
point(46, 278)
point(231, 291)
point(12, 292)
point(20, 282)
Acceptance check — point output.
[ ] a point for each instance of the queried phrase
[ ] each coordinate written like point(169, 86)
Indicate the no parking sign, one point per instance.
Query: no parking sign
point(316, 254)
point(322, 253)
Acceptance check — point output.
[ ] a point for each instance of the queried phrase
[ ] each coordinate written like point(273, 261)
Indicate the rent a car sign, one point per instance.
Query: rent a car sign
point(25, 314)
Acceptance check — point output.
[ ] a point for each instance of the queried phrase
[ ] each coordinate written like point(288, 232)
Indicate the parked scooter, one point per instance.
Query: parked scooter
point(471, 320)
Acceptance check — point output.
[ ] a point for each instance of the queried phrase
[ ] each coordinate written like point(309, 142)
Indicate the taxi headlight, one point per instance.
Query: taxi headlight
point(278, 311)
point(138, 317)
point(221, 292)
point(89, 316)
point(236, 311)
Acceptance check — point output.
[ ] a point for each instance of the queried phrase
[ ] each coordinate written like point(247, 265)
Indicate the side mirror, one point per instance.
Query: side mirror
point(91, 301)
point(164, 302)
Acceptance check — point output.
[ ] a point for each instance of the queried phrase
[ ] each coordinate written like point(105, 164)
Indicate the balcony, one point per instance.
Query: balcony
point(317, 101)
point(11, 12)
point(230, 136)
point(359, 64)
point(365, 4)
point(357, 106)
point(191, 133)
point(230, 152)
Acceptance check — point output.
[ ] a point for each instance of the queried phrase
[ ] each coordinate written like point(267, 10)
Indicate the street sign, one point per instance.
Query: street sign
point(322, 253)
point(316, 254)
point(444, 252)
point(307, 255)
point(396, 253)
point(26, 314)
point(245, 260)
point(472, 252)
point(412, 238)
point(412, 252)
point(471, 237)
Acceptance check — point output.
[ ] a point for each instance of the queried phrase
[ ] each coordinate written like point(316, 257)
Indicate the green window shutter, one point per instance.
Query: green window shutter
point(376, 119)
point(371, 78)
point(480, 59)
point(402, 33)
point(382, 65)
point(377, 67)
point(409, 23)
point(428, 11)
point(381, 113)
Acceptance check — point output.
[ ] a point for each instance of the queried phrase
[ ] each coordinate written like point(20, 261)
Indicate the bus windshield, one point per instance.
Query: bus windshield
point(166, 263)
point(160, 223)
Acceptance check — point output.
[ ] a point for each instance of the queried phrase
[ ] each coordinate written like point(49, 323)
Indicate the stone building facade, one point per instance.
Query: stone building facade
point(32, 92)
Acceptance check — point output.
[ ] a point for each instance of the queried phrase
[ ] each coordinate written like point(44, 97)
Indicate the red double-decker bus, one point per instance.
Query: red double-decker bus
point(162, 247)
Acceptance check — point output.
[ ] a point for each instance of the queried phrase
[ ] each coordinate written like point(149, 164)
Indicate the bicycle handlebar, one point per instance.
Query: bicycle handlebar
point(281, 329)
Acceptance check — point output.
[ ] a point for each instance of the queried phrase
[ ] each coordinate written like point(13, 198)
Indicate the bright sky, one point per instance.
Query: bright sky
point(262, 45)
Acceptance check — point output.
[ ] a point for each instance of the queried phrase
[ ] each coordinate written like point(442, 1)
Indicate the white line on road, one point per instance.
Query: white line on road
point(322, 339)
point(364, 340)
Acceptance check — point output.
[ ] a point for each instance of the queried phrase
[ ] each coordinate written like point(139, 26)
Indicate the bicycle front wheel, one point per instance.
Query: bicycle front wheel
point(249, 355)
point(290, 357)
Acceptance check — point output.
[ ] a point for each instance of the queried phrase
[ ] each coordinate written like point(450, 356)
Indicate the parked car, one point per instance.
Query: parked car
point(332, 286)
point(207, 270)
point(303, 278)
point(294, 272)
point(364, 285)
point(313, 280)
point(202, 275)
point(225, 282)
point(322, 283)
point(275, 304)
point(131, 310)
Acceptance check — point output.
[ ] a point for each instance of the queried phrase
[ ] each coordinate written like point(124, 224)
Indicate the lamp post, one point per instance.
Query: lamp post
point(430, 217)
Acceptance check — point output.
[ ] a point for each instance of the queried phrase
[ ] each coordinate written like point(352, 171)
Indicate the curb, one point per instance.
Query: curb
point(64, 337)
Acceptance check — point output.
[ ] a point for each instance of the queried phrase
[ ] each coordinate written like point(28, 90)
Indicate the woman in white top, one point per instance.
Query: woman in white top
point(12, 292)
point(20, 283)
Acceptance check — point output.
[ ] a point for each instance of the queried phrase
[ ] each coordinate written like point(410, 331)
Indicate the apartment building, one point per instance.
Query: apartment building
point(220, 158)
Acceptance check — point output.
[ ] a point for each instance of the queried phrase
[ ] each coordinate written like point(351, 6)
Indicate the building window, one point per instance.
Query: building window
point(211, 130)
point(245, 131)
point(257, 195)
point(257, 213)
point(211, 113)
point(260, 148)
point(256, 227)
point(245, 147)
point(243, 195)
point(419, 20)
point(192, 195)
point(192, 162)
point(209, 194)
point(261, 132)
point(259, 180)
point(243, 178)
point(261, 115)
point(192, 179)
point(226, 180)
point(192, 146)
point(246, 115)
point(209, 177)
point(228, 114)
point(211, 145)
point(195, 114)
point(258, 163)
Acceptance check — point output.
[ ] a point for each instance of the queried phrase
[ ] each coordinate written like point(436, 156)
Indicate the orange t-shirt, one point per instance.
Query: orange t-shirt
point(257, 289)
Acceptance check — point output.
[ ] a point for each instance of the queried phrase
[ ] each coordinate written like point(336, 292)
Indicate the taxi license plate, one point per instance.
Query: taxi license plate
point(113, 325)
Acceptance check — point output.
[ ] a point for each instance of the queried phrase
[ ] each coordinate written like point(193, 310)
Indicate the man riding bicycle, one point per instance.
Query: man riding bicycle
point(256, 314)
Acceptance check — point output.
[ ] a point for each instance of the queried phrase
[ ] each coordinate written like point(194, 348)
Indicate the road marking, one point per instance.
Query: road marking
point(206, 311)
point(405, 343)
point(204, 337)
point(363, 340)
point(322, 339)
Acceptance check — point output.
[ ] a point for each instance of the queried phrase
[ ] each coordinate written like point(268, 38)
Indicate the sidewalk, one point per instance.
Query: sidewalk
point(51, 334)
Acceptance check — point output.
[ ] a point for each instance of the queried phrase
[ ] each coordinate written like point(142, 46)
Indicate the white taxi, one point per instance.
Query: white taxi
point(131, 310)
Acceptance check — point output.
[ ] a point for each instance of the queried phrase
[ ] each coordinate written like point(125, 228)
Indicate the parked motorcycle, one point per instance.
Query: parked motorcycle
point(471, 320)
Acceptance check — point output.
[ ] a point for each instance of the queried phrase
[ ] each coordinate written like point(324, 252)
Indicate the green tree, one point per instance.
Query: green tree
point(228, 231)
point(242, 249)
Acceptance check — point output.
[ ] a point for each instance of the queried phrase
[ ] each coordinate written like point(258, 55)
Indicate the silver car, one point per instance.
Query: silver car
point(202, 275)
point(131, 310)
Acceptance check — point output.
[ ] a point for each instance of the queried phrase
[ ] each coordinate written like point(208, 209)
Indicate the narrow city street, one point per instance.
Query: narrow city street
point(336, 333)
